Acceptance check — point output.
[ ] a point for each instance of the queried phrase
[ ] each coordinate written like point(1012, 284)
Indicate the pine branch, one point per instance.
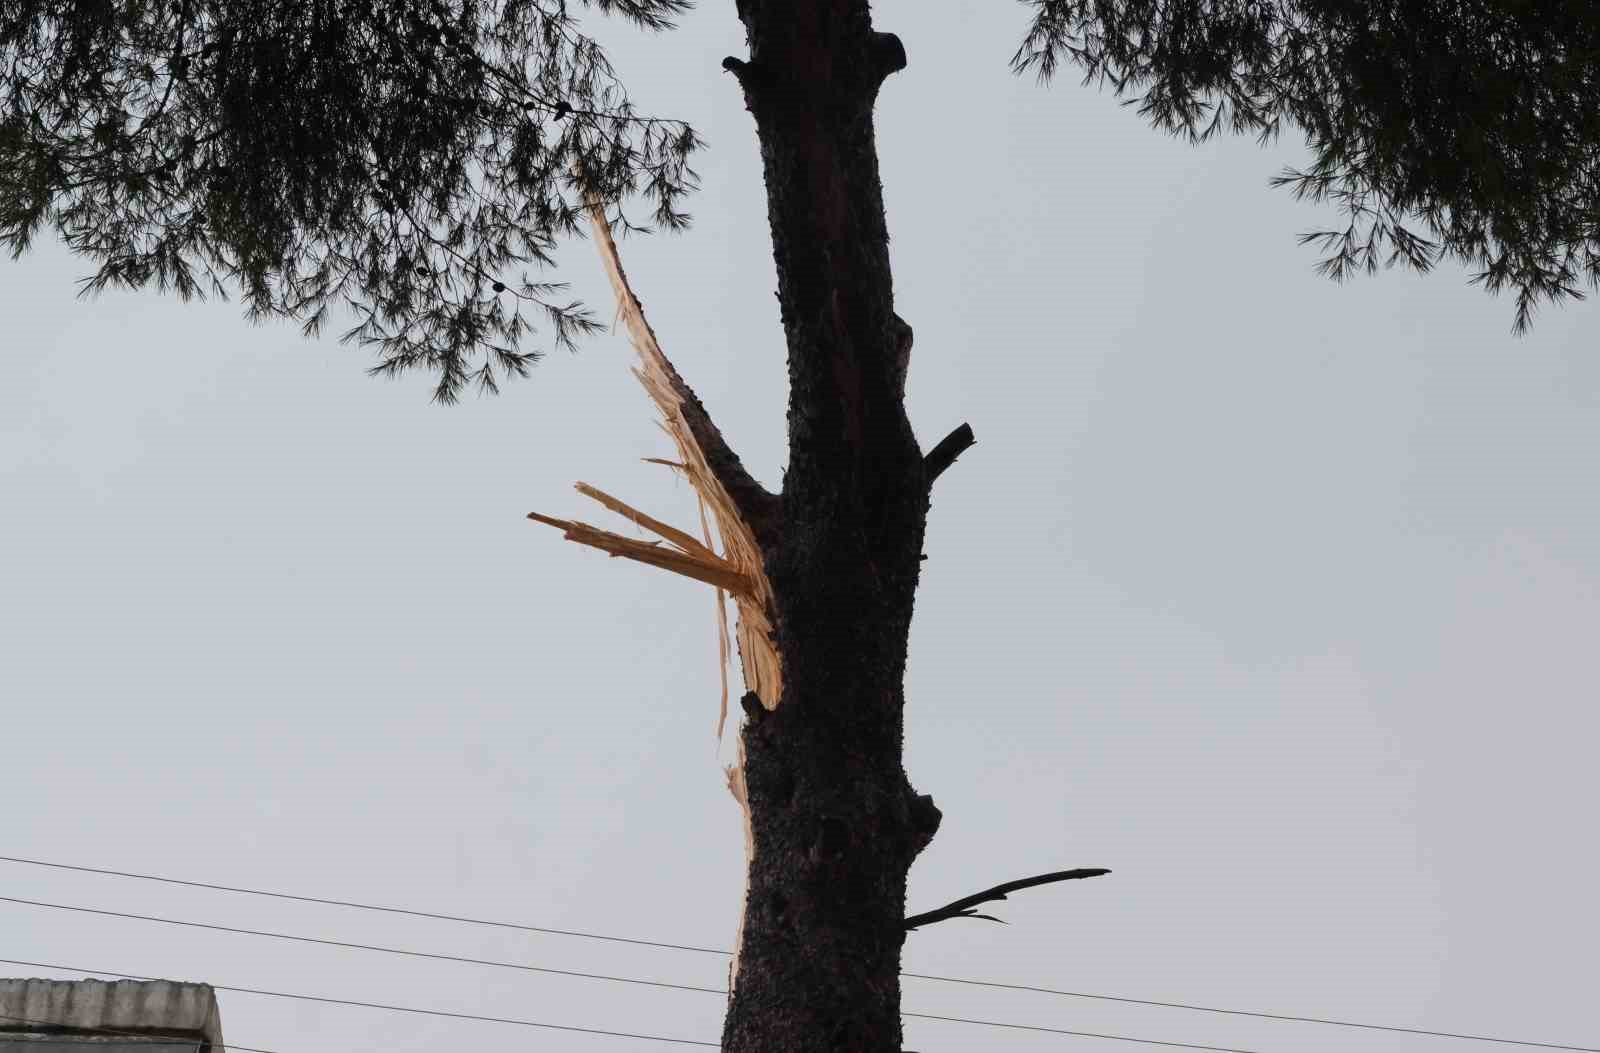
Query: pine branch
point(963, 908)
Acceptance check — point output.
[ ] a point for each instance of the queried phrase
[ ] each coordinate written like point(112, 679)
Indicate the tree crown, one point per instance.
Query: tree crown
point(1477, 121)
point(403, 160)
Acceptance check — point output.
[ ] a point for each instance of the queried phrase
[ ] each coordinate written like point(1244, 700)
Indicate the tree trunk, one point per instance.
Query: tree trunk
point(835, 822)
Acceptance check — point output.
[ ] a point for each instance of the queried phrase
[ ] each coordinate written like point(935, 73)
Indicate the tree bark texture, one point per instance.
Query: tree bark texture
point(835, 822)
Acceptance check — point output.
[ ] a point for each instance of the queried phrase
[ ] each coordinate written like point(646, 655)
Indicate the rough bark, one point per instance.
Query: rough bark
point(835, 821)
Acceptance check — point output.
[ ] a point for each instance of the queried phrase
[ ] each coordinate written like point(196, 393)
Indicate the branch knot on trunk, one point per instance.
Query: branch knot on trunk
point(888, 55)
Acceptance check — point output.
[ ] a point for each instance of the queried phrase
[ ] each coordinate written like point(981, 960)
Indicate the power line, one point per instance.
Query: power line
point(1325, 1021)
point(624, 1034)
point(365, 946)
point(68, 1040)
point(1262, 1016)
point(617, 1034)
point(1080, 1034)
point(566, 972)
point(380, 1005)
point(367, 906)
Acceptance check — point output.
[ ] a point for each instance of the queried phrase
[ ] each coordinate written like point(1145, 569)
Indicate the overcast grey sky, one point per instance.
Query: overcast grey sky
point(1278, 597)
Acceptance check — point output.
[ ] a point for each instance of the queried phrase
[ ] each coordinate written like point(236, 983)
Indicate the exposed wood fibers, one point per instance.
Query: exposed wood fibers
point(737, 572)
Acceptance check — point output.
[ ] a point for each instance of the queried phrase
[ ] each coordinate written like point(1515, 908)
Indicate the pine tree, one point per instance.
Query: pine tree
point(417, 162)
point(1477, 122)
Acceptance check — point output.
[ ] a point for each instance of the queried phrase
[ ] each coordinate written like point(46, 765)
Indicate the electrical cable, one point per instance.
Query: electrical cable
point(1292, 1018)
point(622, 1034)
point(1259, 1016)
point(366, 946)
point(1080, 1034)
point(566, 972)
point(366, 906)
point(380, 1005)
point(653, 1038)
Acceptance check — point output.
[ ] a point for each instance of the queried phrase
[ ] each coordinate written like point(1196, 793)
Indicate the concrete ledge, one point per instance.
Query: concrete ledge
point(134, 1008)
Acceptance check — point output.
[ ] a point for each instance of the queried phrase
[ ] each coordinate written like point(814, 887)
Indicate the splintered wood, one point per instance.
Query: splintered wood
point(696, 562)
point(738, 570)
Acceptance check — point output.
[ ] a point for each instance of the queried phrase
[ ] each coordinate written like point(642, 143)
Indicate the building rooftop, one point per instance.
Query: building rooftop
point(136, 1016)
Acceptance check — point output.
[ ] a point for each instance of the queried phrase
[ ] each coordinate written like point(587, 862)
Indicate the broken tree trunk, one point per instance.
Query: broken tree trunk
point(836, 823)
point(831, 823)
point(824, 576)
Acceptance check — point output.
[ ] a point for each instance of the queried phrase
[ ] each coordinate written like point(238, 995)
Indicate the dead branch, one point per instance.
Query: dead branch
point(944, 455)
point(962, 908)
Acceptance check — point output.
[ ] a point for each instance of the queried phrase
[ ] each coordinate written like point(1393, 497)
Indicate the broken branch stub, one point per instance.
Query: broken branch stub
point(745, 514)
point(742, 510)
